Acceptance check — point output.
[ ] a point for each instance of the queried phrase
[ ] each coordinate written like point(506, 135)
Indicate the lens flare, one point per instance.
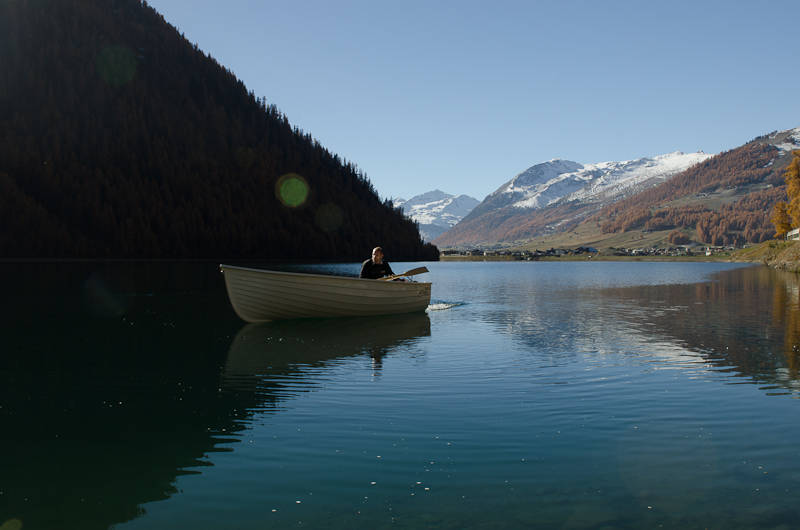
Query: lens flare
point(11, 524)
point(292, 190)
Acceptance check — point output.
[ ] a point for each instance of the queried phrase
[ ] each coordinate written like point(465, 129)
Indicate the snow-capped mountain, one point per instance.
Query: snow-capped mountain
point(554, 194)
point(785, 140)
point(436, 211)
point(562, 180)
point(559, 195)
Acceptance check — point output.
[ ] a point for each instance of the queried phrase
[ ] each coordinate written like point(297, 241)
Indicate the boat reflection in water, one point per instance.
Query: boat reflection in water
point(109, 394)
point(266, 350)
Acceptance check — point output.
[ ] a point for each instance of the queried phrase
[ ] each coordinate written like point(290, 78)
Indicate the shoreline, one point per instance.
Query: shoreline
point(778, 254)
point(717, 258)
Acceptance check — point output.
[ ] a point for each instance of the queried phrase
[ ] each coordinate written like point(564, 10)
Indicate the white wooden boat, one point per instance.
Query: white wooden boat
point(260, 295)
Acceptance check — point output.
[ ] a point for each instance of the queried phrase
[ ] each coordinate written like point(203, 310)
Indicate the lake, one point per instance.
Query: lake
point(531, 394)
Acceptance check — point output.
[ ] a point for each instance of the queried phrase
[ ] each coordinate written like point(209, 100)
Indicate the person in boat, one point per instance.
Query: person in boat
point(375, 267)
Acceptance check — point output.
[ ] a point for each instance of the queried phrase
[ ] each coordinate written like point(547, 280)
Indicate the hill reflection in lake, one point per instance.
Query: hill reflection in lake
point(545, 395)
point(108, 386)
point(117, 379)
point(745, 320)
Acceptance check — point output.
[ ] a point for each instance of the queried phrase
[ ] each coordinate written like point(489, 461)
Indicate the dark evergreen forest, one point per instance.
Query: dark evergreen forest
point(121, 139)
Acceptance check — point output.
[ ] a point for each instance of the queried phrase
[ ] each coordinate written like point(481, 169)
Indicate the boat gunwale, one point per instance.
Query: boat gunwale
point(223, 267)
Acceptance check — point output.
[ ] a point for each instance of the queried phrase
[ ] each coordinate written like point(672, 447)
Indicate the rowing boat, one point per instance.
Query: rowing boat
point(259, 295)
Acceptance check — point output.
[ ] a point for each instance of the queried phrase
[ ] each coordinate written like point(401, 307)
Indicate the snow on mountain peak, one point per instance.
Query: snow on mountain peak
point(436, 211)
point(564, 180)
point(541, 173)
point(787, 140)
point(425, 198)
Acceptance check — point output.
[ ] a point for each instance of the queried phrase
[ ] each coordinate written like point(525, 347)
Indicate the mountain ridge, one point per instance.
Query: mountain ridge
point(121, 139)
point(558, 192)
point(727, 199)
point(436, 211)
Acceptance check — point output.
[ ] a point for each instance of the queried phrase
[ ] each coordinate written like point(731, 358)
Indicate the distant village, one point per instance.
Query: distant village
point(589, 252)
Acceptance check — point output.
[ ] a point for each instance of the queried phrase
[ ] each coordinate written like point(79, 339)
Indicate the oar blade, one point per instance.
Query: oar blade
point(412, 272)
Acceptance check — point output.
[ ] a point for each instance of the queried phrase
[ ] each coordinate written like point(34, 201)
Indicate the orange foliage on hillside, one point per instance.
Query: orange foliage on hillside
point(678, 238)
point(746, 220)
point(787, 215)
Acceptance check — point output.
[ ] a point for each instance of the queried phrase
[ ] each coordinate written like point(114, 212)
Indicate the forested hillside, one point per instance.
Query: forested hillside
point(726, 200)
point(119, 138)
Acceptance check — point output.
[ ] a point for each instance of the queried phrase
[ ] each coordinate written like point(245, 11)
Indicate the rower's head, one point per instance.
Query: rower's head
point(377, 255)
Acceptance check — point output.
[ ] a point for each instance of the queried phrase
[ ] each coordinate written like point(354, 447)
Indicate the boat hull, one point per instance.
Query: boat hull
point(260, 295)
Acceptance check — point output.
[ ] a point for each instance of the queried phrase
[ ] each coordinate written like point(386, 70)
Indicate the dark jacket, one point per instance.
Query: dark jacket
point(375, 270)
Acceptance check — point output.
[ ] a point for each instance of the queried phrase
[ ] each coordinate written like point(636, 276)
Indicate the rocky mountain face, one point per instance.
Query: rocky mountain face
point(555, 194)
point(436, 211)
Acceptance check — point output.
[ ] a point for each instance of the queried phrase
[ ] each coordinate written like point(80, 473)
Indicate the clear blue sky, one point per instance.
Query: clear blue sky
point(463, 95)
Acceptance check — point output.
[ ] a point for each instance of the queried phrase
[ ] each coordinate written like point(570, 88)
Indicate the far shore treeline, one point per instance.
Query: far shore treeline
point(121, 139)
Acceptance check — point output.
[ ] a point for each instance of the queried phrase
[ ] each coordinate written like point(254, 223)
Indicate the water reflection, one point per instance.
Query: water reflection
point(108, 388)
point(745, 320)
point(117, 379)
point(542, 394)
point(260, 352)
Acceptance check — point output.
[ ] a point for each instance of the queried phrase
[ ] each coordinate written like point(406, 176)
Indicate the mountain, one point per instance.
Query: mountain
point(557, 194)
point(436, 211)
point(121, 139)
point(726, 200)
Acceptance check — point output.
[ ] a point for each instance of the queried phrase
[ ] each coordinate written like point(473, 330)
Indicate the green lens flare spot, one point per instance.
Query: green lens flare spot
point(11, 524)
point(292, 190)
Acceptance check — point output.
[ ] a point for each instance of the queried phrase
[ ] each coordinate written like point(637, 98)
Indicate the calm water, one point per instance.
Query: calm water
point(545, 395)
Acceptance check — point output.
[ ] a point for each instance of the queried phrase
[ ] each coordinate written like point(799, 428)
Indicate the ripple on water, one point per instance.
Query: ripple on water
point(559, 395)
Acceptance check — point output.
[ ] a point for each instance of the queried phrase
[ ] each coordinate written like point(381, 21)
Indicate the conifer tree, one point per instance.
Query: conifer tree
point(780, 218)
point(787, 215)
point(792, 176)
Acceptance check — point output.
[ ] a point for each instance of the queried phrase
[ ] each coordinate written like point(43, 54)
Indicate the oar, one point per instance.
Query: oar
point(412, 272)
